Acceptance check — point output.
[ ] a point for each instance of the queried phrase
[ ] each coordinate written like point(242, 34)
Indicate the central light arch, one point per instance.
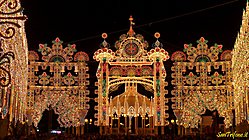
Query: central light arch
point(131, 64)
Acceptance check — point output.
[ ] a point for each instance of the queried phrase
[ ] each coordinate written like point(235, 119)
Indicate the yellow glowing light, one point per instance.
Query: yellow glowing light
point(131, 64)
point(13, 39)
point(63, 86)
point(240, 65)
point(197, 87)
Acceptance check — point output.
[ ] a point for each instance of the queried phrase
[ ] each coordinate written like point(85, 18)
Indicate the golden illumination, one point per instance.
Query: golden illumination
point(13, 41)
point(240, 65)
point(131, 65)
point(59, 82)
point(202, 82)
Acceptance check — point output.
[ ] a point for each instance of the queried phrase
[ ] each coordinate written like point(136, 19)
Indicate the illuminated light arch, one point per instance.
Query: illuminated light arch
point(59, 82)
point(178, 56)
point(240, 66)
point(197, 87)
point(33, 56)
point(138, 80)
point(57, 58)
point(202, 58)
point(226, 55)
point(131, 64)
point(14, 61)
point(81, 56)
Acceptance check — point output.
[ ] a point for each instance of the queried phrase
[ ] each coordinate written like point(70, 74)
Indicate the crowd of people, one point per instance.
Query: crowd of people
point(96, 136)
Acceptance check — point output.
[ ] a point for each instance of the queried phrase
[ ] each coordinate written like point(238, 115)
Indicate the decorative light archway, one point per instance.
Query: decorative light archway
point(13, 72)
point(131, 64)
point(58, 82)
point(202, 82)
point(240, 65)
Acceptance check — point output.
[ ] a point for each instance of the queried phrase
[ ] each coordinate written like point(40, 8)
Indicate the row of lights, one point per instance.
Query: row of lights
point(172, 121)
point(115, 118)
point(90, 121)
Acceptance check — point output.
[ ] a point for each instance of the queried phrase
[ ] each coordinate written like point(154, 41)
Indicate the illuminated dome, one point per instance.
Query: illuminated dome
point(131, 99)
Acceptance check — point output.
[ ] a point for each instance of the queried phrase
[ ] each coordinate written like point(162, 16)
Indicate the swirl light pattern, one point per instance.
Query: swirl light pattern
point(13, 61)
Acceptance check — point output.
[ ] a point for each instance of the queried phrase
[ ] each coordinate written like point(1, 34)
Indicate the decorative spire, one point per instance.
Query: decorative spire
point(157, 43)
point(104, 44)
point(131, 31)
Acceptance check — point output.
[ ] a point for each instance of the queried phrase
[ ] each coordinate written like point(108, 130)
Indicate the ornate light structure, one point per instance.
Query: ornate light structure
point(131, 64)
point(13, 73)
point(201, 82)
point(59, 82)
point(240, 65)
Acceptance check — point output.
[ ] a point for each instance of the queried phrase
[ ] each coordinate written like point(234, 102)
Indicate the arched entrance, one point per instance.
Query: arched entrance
point(131, 64)
point(48, 122)
point(59, 82)
point(129, 110)
point(202, 82)
point(211, 122)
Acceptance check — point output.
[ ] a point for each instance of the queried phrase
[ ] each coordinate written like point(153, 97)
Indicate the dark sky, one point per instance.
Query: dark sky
point(178, 21)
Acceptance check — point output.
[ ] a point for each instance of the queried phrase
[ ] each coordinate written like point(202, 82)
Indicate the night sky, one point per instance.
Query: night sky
point(178, 21)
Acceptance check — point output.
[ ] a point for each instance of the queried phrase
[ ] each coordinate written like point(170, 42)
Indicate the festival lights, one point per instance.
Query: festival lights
point(204, 78)
point(59, 82)
point(240, 65)
point(202, 82)
point(14, 61)
point(131, 65)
